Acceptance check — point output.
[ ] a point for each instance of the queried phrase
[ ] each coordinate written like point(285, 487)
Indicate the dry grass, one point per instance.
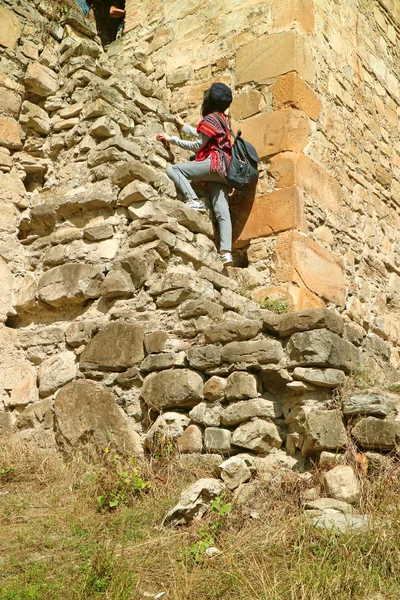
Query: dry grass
point(56, 545)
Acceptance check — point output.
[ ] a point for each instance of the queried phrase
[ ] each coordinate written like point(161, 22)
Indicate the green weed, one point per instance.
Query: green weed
point(278, 306)
point(126, 484)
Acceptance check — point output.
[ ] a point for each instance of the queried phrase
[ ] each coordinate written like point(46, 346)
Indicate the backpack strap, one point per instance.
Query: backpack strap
point(224, 126)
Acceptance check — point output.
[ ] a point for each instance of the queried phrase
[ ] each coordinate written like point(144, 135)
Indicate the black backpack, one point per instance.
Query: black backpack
point(242, 172)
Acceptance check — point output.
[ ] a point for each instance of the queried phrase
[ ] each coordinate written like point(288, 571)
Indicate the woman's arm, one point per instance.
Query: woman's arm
point(190, 130)
point(195, 146)
point(199, 143)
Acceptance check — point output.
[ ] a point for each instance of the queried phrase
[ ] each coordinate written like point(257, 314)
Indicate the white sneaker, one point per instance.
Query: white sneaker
point(226, 259)
point(196, 205)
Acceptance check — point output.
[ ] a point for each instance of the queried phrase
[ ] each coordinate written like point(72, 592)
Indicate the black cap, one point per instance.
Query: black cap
point(221, 95)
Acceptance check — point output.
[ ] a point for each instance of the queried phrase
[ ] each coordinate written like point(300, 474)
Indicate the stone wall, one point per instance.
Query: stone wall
point(316, 90)
point(117, 320)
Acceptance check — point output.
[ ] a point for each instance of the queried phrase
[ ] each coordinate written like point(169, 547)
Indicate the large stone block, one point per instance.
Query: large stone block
point(115, 348)
point(375, 434)
point(10, 133)
point(266, 214)
point(69, 283)
point(10, 101)
point(41, 80)
point(261, 351)
point(322, 430)
point(341, 483)
point(322, 348)
point(19, 383)
point(86, 412)
point(269, 56)
point(172, 389)
point(290, 168)
point(56, 371)
point(246, 105)
point(10, 29)
point(300, 13)
point(292, 90)
point(300, 260)
point(305, 320)
point(7, 283)
point(284, 130)
point(258, 435)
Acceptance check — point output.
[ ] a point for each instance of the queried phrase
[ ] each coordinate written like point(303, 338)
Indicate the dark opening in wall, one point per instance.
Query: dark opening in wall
point(109, 16)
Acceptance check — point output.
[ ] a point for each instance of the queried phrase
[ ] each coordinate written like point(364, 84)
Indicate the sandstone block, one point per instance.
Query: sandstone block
point(241, 385)
point(368, 403)
point(10, 133)
point(374, 434)
point(10, 31)
point(168, 426)
point(19, 382)
point(132, 170)
point(330, 378)
point(306, 320)
point(70, 283)
point(191, 441)
point(286, 13)
point(56, 371)
point(86, 412)
point(284, 130)
point(194, 501)
point(242, 411)
point(246, 105)
point(266, 214)
point(188, 217)
point(322, 348)
point(6, 296)
point(269, 56)
point(27, 292)
point(80, 332)
point(292, 90)
point(35, 118)
point(262, 351)
point(341, 483)
point(199, 307)
point(214, 388)
point(217, 440)
point(323, 430)
point(172, 389)
point(136, 191)
point(10, 101)
point(6, 423)
point(300, 260)
point(257, 435)
point(229, 331)
point(116, 347)
point(292, 168)
point(219, 281)
point(206, 415)
point(204, 357)
point(233, 472)
point(41, 80)
point(154, 341)
point(164, 360)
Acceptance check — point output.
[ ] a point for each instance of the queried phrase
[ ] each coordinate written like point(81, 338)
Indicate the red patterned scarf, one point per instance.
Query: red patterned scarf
point(219, 144)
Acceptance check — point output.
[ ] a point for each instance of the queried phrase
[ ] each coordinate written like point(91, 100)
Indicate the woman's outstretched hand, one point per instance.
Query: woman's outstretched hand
point(179, 122)
point(164, 139)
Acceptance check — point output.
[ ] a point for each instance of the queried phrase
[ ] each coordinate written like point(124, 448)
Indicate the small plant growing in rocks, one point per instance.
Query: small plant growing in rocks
point(125, 484)
point(208, 534)
point(277, 306)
